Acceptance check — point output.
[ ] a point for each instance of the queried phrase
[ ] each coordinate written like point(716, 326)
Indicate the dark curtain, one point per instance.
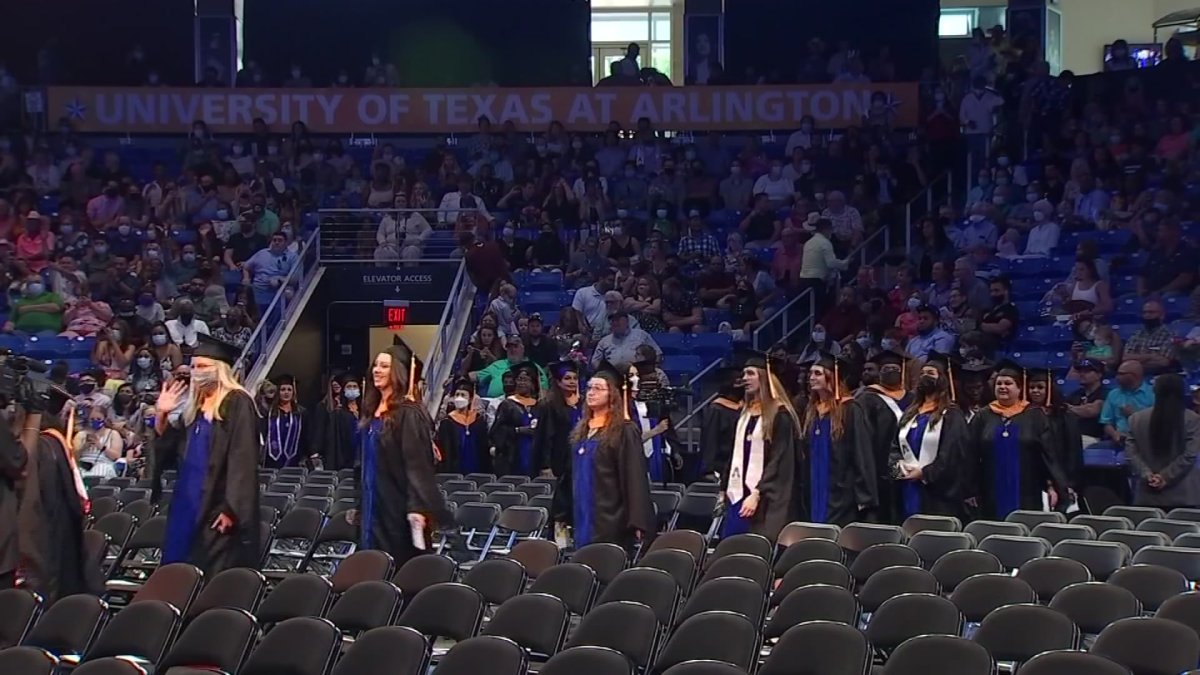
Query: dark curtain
point(89, 40)
point(450, 43)
point(771, 36)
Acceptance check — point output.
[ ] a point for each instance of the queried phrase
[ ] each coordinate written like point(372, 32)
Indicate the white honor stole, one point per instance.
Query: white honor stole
point(930, 440)
point(891, 404)
point(741, 477)
point(644, 427)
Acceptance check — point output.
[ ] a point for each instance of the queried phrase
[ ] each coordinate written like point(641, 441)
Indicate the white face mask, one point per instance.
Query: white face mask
point(350, 393)
point(914, 303)
point(887, 344)
point(863, 341)
point(818, 336)
point(976, 218)
point(460, 402)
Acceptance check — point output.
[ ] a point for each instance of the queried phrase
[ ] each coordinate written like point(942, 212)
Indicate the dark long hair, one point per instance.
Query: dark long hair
point(1166, 417)
point(940, 396)
point(399, 381)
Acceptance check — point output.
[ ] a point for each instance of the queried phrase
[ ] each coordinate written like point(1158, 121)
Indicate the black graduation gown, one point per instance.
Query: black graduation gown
point(884, 424)
point(945, 482)
point(1037, 462)
point(404, 481)
point(450, 442)
point(853, 489)
point(304, 439)
point(333, 434)
point(1067, 441)
point(52, 553)
point(621, 500)
point(776, 488)
point(552, 442)
point(231, 486)
point(507, 438)
point(718, 426)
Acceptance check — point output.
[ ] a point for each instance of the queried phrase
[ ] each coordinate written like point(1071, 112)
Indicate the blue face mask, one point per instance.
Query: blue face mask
point(97, 424)
point(351, 394)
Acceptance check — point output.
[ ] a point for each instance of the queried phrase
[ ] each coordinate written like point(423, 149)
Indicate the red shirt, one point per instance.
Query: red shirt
point(486, 264)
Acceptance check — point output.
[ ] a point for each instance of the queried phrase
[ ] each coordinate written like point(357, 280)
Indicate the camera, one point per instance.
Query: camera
point(23, 381)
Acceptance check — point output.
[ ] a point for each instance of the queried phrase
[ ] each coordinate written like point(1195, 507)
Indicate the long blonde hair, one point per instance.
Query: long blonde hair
point(772, 405)
point(226, 383)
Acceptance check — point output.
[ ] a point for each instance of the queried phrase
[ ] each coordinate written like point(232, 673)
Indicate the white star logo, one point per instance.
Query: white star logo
point(76, 109)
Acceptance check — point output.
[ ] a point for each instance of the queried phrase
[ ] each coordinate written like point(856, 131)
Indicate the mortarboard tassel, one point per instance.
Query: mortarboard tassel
point(950, 376)
point(412, 377)
point(625, 399)
point(69, 440)
point(1049, 387)
point(770, 380)
point(837, 393)
point(1024, 384)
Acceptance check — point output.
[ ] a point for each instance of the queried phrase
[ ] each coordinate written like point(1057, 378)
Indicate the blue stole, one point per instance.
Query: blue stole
point(910, 491)
point(1007, 457)
point(183, 519)
point(370, 463)
point(820, 444)
point(582, 497)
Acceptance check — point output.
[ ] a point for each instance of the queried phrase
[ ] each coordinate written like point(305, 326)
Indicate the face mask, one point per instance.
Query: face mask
point(1152, 324)
point(818, 336)
point(926, 385)
point(998, 200)
point(350, 394)
point(158, 340)
point(123, 230)
point(87, 387)
point(237, 150)
point(913, 304)
point(577, 145)
point(116, 335)
point(1039, 216)
point(96, 425)
point(460, 402)
point(887, 344)
point(976, 218)
point(189, 258)
point(661, 213)
point(186, 318)
point(616, 231)
point(144, 362)
point(864, 341)
point(201, 378)
point(152, 254)
point(890, 378)
point(34, 289)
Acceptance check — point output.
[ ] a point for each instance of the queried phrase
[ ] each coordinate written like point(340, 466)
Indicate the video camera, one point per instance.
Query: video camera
point(23, 381)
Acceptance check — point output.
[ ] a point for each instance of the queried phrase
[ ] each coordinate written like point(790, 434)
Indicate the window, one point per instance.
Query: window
point(956, 22)
point(629, 4)
point(620, 27)
point(660, 58)
point(661, 25)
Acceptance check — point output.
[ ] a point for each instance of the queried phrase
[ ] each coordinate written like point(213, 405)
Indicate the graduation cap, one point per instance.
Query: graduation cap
point(285, 379)
point(1010, 368)
point(408, 356)
point(945, 364)
point(529, 369)
point(615, 378)
point(464, 384)
point(843, 370)
point(752, 358)
point(890, 357)
point(211, 348)
point(560, 369)
point(727, 382)
point(1044, 375)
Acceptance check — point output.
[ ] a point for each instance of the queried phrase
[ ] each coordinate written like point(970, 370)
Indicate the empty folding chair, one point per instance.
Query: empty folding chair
point(1134, 540)
point(322, 504)
point(858, 537)
point(452, 611)
point(102, 507)
point(280, 501)
point(69, 626)
point(1186, 561)
point(629, 628)
point(588, 661)
point(495, 486)
point(809, 573)
point(573, 583)
point(957, 566)
point(422, 571)
point(703, 668)
point(1183, 513)
point(1183, 608)
point(1048, 576)
point(808, 549)
point(239, 588)
point(316, 490)
point(933, 544)
point(387, 650)
point(1102, 524)
point(728, 594)
point(478, 478)
point(695, 511)
point(176, 584)
point(982, 529)
point(1135, 514)
point(102, 491)
point(743, 544)
point(512, 480)
point(939, 655)
point(906, 616)
point(464, 496)
point(535, 555)
point(515, 522)
point(298, 595)
point(362, 566)
point(1149, 646)
point(880, 556)
point(284, 487)
point(443, 478)
point(542, 502)
point(1012, 552)
point(1152, 585)
point(268, 514)
point(606, 560)
point(819, 648)
point(651, 587)
point(497, 579)
point(113, 665)
point(132, 494)
point(794, 532)
point(1172, 528)
point(890, 582)
point(666, 506)
point(298, 472)
point(336, 541)
point(141, 632)
point(27, 661)
point(818, 602)
point(1188, 540)
point(1017, 633)
point(366, 605)
point(679, 564)
point(341, 506)
point(475, 522)
point(923, 523)
point(981, 594)
point(1056, 532)
point(744, 565)
point(1071, 663)
point(139, 558)
point(506, 498)
point(688, 541)
point(1032, 519)
point(536, 622)
point(1102, 558)
point(218, 639)
point(294, 537)
point(300, 646)
point(19, 609)
point(95, 549)
point(1094, 605)
point(141, 509)
point(711, 636)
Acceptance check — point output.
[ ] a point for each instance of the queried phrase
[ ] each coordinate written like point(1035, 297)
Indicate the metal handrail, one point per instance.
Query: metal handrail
point(453, 317)
point(927, 194)
point(259, 334)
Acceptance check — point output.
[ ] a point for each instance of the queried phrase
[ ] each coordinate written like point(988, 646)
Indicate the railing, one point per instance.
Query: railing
point(351, 236)
point(456, 318)
point(927, 196)
point(272, 319)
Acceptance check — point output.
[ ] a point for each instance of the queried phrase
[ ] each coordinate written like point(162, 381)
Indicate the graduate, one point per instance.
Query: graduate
point(462, 436)
point(929, 453)
point(1014, 459)
point(609, 481)
point(759, 488)
point(285, 435)
point(1065, 438)
point(837, 464)
point(974, 391)
point(558, 413)
point(884, 403)
point(652, 416)
point(516, 422)
point(213, 520)
point(339, 432)
point(719, 422)
point(400, 504)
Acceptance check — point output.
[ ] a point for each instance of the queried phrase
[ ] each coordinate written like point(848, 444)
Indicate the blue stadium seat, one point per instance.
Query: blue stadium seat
point(680, 368)
point(184, 237)
point(1182, 327)
point(77, 366)
point(1123, 285)
point(1068, 387)
point(714, 317)
point(56, 348)
point(1127, 329)
point(1023, 268)
point(1034, 338)
point(674, 343)
point(1028, 309)
point(712, 346)
point(541, 301)
point(1176, 304)
point(544, 281)
point(15, 343)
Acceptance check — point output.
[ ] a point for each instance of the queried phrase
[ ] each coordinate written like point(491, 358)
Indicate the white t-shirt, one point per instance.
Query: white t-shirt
point(777, 189)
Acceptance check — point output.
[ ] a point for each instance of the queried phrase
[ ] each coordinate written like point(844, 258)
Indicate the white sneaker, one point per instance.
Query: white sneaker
point(725, 327)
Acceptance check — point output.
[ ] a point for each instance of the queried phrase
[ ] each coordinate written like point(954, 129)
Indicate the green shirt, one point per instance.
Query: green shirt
point(268, 223)
point(490, 380)
point(36, 322)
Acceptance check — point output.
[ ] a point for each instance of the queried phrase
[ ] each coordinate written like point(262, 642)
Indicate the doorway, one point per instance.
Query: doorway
point(604, 54)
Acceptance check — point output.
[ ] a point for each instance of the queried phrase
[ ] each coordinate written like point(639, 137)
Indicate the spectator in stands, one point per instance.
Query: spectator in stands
point(1043, 236)
point(761, 226)
point(977, 113)
point(620, 346)
point(1119, 59)
point(587, 263)
point(548, 251)
point(903, 290)
point(1002, 320)
point(1096, 341)
point(1162, 445)
point(1092, 201)
point(243, 244)
point(931, 248)
point(91, 391)
point(166, 350)
point(589, 301)
point(681, 309)
point(1171, 266)
point(491, 378)
point(145, 373)
point(1176, 142)
point(937, 293)
point(698, 245)
point(540, 348)
point(37, 310)
point(1132, 394)
point(1086, 402)
point(645, 304)
point(788, 262)
point(570, 330)
point(975, 289)
point(846, 220)
point(484, 349)
point(504, 308)
point(1152, 345)
point(930, 337)
point(845, 320)
point(266, 271)
point(113, 350)
point(462, 203)
point(979, 231)
point(736, 189)
point(777, 187)
point(234, 329)
point(184, 328)
point(97, 445)
point(84, 316)
point(35, 245)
